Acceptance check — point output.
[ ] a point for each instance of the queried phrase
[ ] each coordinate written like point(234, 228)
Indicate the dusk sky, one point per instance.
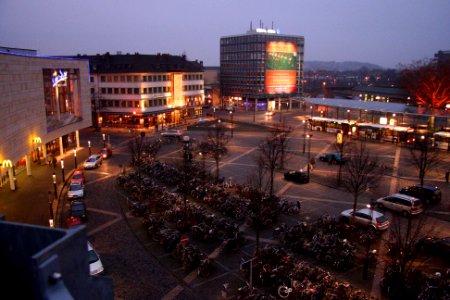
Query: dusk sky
point(383, 32)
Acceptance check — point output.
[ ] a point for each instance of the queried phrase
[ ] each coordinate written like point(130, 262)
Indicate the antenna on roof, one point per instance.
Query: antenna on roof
point(272, 24)
point(250, 25)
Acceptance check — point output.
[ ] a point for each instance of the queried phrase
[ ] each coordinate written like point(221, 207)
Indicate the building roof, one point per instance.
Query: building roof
point(135, 63)
point(360, 104)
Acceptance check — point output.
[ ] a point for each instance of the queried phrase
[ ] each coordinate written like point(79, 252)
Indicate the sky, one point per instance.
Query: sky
point(389, 33)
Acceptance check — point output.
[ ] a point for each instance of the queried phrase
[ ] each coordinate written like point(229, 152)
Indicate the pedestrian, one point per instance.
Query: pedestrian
point(54, 162)
point(447, 176)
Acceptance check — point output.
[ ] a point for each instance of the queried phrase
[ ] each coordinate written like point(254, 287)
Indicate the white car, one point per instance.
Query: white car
point(367, 217)
point(76, 190)
point(407, 205)
point(95, 264)
point(173, 133)
point(93, 161)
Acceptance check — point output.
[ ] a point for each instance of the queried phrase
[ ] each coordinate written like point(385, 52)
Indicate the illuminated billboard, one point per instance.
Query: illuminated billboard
point(281, 67)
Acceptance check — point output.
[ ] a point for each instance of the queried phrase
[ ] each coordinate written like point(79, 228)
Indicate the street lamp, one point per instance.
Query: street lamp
point(75, 157)
point(54, 185)
point(89, 145)
point(104, 140)
point(231, 125)
point(304, 135)
point(50, 206)
point(62, 170)
point(311, 111)
point(348, 116)
point(214, 112)
point(309, 136)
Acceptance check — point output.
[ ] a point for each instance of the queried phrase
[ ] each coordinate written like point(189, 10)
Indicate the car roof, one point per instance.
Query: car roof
point(372, 212)
point(78, 172)
point(427, 187)
point(76, 183)
point(402, 196)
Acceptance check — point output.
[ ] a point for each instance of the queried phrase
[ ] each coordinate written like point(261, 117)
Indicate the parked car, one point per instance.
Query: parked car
point(428, 194)
point(93, 161)
point(367, 217)
point(78, 210)
point(435, 245)
point(78, 176)
point(75, 190)
point(203, 120)
point(95, 264)
point(106, 152)
point(333, 158)
point(299, 176)
point(172, 133)
point(405, 204)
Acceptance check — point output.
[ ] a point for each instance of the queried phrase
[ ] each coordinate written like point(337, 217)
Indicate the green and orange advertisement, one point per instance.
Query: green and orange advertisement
point(281, 67)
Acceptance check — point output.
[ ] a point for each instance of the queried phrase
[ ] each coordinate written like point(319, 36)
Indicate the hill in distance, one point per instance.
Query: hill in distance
point(339, 66)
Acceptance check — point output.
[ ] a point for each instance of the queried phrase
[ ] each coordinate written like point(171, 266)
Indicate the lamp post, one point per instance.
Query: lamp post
point(304, 135)
point(104, 140)
point(54, 185)
point(187, 157)
point(50, 206)
point(309, 136)
point(231, 125)
point(311, 111)
point(214, 112)
point(75, 157)
point(89, 145)
point(348, 116)
point(62, 170)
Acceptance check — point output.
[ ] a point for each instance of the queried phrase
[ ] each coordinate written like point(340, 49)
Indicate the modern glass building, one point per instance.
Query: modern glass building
point(261, 69)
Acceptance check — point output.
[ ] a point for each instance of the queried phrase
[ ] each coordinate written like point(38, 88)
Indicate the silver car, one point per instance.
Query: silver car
point(407, 205)
point(93, 161)
point(76, 190)
point(367, 217)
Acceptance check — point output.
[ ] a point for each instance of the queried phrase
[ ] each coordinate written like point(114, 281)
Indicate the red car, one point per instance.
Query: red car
point(78, 176)
point(106, 153)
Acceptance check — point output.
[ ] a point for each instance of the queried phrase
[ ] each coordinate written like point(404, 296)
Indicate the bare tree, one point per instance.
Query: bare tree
point(402, 245)
point(361, 172)
point(272, 153)
point(142, 150)
point(424, 158)
point(215, 146)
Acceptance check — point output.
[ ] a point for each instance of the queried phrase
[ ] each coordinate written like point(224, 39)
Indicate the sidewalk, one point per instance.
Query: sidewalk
point(29, 203)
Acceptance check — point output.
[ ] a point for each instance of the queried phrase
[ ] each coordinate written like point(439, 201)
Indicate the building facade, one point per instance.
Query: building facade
point(141, 91)
point(261, 69)
point(44, 103)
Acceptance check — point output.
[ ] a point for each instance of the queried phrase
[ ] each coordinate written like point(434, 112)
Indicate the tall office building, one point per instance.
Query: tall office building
point(262, 69)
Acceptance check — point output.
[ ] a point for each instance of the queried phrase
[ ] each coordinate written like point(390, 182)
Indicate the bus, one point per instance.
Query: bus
point(385, 133)
point(442, 140)
point(331, 125)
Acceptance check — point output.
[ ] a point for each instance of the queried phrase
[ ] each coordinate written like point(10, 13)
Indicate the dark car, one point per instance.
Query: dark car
point(333, 158)
point(78, 210)
point(434, 245)
point(106, 153)
point(297, 176)
point(428, 194)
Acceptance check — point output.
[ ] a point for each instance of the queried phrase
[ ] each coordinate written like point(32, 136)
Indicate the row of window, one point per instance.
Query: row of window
point(134, 103)
point(150, 90)
point(145, 78)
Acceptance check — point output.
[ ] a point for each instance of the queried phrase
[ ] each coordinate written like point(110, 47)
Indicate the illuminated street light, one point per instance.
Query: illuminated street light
point(231, 126)
point(89, 145)
point(75, 156)
point(309, 136)
point(62, 170)
point(104, 140)
point(54, 185)
point(304, 135)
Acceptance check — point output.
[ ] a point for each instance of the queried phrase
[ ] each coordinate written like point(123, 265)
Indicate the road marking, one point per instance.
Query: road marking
point(311, 199)
point(104, 226)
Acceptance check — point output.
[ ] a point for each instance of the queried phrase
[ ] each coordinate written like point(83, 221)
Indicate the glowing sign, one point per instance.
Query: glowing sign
point(59, 77)
point(262, 30)
point(281, 65)
point(177, 93)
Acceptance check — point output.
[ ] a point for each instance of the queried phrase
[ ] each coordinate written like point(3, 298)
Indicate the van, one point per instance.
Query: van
point(406, 205)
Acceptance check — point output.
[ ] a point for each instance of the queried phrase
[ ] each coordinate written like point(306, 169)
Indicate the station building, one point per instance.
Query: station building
point(141, 91)
point(262, 69)
point(44, 103)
